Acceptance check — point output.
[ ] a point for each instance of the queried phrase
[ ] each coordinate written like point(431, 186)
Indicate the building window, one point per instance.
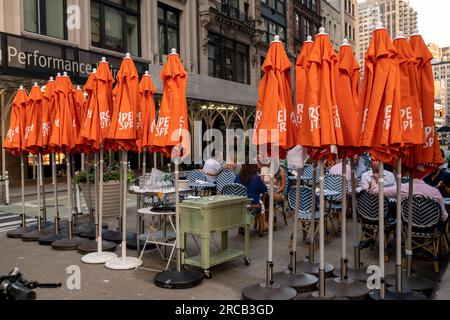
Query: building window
point(277, 5)
point(271, 30)
point(46, 17)
point(169, 29)
point(115, 25)
point(228, 59)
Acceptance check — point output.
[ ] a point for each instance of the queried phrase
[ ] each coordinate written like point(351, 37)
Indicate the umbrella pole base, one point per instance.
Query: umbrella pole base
point(412, 283)
point(183, 279)
point(301, 282)
point(354, 274)
point(262, 292)
point(34, 236)
point(123, 263)
point(67, 244)
point(347, 288)
point(19, 232)
point(113, 236)
point(92, 246)
point(305, 266)
point(49, 239)
point(392, 294)
point(98, 258)
point(316, 296)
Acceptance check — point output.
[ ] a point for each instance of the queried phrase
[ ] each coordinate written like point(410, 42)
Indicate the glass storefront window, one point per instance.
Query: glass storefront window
point(46, 17)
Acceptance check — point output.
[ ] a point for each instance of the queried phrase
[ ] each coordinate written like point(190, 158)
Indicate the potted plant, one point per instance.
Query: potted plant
point(111, 186)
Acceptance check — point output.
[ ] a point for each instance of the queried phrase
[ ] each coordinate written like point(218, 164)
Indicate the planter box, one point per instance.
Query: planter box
point(111, 197)
point(2, 192)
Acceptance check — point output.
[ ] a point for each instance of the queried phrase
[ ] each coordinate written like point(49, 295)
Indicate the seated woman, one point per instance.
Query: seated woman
point(250, 179)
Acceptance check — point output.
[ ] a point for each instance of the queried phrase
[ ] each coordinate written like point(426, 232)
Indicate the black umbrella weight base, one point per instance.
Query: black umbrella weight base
point(34, 236)
point(132, 243)
point(301, 282)
point(313, 268)
point(354, 274)
point(113, 236)
point(183, 279)
point(92, 246)
point(392, 295)
point(49, 239)
point(351, 289)
point(262, 292)
point(68, 244)
point(413, 283)
point(316, 296)
point(19, 232)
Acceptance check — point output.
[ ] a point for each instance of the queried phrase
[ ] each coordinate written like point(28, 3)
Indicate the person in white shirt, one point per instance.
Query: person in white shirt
point(212, 168)
point(389, 178)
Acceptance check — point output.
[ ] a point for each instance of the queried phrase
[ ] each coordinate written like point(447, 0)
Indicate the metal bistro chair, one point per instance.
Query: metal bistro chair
point(305, 207)
point(224, 178)
point(334, 183)
point(367, 211)
point(426, 215)
point(195, 176)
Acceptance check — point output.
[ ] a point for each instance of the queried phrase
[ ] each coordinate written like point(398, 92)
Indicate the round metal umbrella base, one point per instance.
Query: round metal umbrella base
point(393, 295)
point(67, 244)
point(412, 283)
point(309, 296)
point(313, 268)
point(113, 236)
point(262, 292)
point(98, 258)
point(78, 230)
point(354, 274)
point(36, 235)
point(123, 263)
point(132, 243)
point(49, 239)
point(19, 232)
point(183, 279)
point(302, 282)
point(316, 296)
point(349, 288)
point(92, 246)
point(91, 234)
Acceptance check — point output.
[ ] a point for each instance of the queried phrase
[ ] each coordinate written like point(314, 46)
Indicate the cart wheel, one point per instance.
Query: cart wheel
point(247, 261)
point(208, 274)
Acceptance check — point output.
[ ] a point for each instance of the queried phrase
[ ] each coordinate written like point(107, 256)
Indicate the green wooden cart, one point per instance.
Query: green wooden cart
point(214, 214)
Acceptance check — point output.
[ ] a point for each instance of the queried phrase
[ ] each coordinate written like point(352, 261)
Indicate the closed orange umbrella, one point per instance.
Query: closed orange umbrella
point(47, 115)
point(172, 125)
point(63, 128)
point(148, 113)
point(348, 101)
point(300, 82)
point(275, 119)
point(33, 120)
point(123, 132)
point(430, 154)
point(323, 123)
point(14, 141)
point(381, 99)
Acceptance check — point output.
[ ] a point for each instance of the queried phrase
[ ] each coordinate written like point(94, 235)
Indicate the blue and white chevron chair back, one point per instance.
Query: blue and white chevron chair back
point(195, 175)
point(333, 182)
point(426, 212)
point(234, 189)
point(305, 205)
point(367, 206)
point(224, 178)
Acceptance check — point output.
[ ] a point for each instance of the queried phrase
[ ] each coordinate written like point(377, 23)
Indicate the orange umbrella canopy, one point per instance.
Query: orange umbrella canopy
point(62, 139)
point(172, 126)
point(47, 115)
point(348, 101)
point(323, 130)
point(123, 131)
point(381, 99)
point(148, 113)
point(81, 143)
point(33, 120)
point(275, 119)
point(300, 82)
point(429, 154)
point(14, 141)
point(97, 121)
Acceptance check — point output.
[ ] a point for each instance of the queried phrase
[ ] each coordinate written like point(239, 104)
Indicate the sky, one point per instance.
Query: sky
point(434, 20)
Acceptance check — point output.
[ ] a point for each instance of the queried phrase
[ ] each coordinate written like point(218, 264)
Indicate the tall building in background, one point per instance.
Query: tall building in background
point(396, 16)
point(306, 19)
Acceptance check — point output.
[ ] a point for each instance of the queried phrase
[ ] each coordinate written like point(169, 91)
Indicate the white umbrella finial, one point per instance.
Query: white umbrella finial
point(36, 84)
point(379, 25)
point(51, 79)
point(104, 59)
point(276, 39)
point(147, 74)
point(58, 74)
point(345, 43)
point(94, 70)
point(173, 51)
point(400, 35)
point(322, 30)
point(78, 87)
point(65, 74)
point(308, 39)
point(128, 55)
point(21, 87)
point(416, 33)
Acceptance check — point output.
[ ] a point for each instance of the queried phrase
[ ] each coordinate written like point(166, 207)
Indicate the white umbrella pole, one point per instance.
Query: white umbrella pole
point(96, 196)
point(22, 185)
point(144, 161)
point(381, 228)
point(354, 216)
point(177, 215)
point(344, 260)
point(100, 205)
point(69, 195)
point(38, 182)
point(269, 268)
point(398, 233)
point(74, 192)
point(55, 193)
point(124, 205)
point(409, 252)
point(295, 223)
point(312, 226)
point(121, 190)
point(44, 206)
point(321, 232)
